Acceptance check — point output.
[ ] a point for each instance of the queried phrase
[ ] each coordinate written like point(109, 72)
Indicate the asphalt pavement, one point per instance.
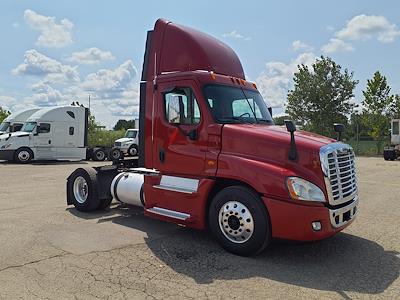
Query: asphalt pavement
point(51, 251)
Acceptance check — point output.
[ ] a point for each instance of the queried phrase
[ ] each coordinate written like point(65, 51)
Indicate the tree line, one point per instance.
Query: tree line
point(324, 94)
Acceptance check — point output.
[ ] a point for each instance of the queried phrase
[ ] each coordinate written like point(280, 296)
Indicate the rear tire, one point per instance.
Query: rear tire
point(99, 155)
point(82, 190)
point(23, 155)
point(115, 154)
point(239, 221)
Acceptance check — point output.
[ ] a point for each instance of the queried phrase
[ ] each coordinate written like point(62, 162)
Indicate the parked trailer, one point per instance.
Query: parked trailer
point(211, 157)
point(15, 121)
point(53, 133)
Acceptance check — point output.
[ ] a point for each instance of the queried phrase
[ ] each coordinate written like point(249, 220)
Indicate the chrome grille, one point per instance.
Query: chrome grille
point(337, 162)
point(117, 144)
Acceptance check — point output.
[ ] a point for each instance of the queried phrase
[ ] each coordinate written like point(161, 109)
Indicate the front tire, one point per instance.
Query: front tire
point(23, 155)
point(133, 150)
point(239, 221)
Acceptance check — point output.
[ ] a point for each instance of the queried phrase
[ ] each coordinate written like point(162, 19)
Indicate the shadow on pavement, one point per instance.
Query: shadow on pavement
point(344, 263)
point(46, 162)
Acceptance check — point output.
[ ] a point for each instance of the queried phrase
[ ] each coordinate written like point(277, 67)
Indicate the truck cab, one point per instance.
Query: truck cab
point(15, 121)
point(211, 157)
point(393, 151)
point(50, 133)
point(129, 144)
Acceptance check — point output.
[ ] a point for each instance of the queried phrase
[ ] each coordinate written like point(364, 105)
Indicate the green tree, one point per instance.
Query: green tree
point(378, 108)
point(395, 108)
point(3, 114)
point(281, 119)
point(124, 124)
point(321, 96)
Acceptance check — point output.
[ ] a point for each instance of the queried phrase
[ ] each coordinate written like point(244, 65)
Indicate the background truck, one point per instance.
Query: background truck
point(15, 121)
point(52, 133)
point(211, 157)
point(393, 152)
point(129, 144)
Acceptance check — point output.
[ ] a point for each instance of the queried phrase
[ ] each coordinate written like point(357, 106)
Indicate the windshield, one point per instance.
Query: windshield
point(28, 127)
point(131, 134)
point(235, 105)
point(4, 126)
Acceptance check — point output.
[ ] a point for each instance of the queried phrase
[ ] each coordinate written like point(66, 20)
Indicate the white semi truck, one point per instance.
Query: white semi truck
point(15, 121)
point(129, 144)
point(393, 152)
point(52, 133)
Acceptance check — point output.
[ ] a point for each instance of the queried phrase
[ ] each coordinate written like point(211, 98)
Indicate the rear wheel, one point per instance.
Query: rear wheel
point(99, 155)
point(23, 155)
point(82, 190)
point(239, 221)
point(115, 154)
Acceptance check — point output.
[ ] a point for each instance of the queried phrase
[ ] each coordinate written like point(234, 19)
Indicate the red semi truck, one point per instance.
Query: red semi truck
point(212, 158)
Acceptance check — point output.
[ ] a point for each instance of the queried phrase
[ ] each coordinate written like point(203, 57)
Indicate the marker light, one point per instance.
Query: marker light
point(300, 189)
point(254, 85)
point(213, 75)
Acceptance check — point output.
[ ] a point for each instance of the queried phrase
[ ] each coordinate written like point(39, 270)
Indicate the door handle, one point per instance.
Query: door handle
point(49, 142)
point(161, 155)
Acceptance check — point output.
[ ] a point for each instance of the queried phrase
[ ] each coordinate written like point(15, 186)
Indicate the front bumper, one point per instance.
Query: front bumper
point(7, 155)
point(292, 221)
point(123, 149)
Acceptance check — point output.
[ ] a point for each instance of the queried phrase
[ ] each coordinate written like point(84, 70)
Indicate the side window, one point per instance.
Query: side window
point(181, 107)
point(71, 130)
point(395, 129)
point(71, 114)
point(16, 127)
point(243, 107)
point(44, 128)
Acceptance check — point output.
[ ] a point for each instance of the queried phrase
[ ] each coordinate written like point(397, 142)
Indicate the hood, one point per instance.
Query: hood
point(7, 136)
point(271, 144)
point(124, 140)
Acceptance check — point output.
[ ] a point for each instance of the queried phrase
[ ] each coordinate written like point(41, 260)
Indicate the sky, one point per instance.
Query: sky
point(57, 52)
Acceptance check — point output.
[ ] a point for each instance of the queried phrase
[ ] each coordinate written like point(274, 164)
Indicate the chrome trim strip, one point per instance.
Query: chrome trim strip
point(333, 213)
point(173, 189)
point(168, 213)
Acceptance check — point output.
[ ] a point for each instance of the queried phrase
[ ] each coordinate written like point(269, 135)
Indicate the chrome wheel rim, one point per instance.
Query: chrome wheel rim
point(100, 155)
point(81, 189)
point(236, 222)
point(24, 155)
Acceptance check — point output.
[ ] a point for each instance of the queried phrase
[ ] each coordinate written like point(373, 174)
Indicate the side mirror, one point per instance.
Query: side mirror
point(290, 126)
point(339, 128)
point(174, 113)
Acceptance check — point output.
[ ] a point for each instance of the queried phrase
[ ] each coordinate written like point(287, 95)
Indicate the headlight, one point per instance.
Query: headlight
point(301, 189)
point(5, 146)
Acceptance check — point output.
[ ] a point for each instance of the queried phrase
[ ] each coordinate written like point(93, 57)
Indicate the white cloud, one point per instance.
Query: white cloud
point(111, 83)
point(301, 46)
point(363, 27)
point(38, 64)
point(52, 34)
point(275, 82)
point(336, 45)
point(236, 35)
point(90, 56)
point(45, 95)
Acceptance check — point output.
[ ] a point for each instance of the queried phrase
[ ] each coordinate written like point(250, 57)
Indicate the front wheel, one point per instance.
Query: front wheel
point(133, 150)
point(23, 155)
point(239, 221)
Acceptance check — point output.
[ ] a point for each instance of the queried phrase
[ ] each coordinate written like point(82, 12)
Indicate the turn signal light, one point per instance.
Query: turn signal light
point(213, 77)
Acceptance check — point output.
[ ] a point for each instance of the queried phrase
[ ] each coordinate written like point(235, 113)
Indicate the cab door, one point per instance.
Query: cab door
point(43, 141)
point(180, 140)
